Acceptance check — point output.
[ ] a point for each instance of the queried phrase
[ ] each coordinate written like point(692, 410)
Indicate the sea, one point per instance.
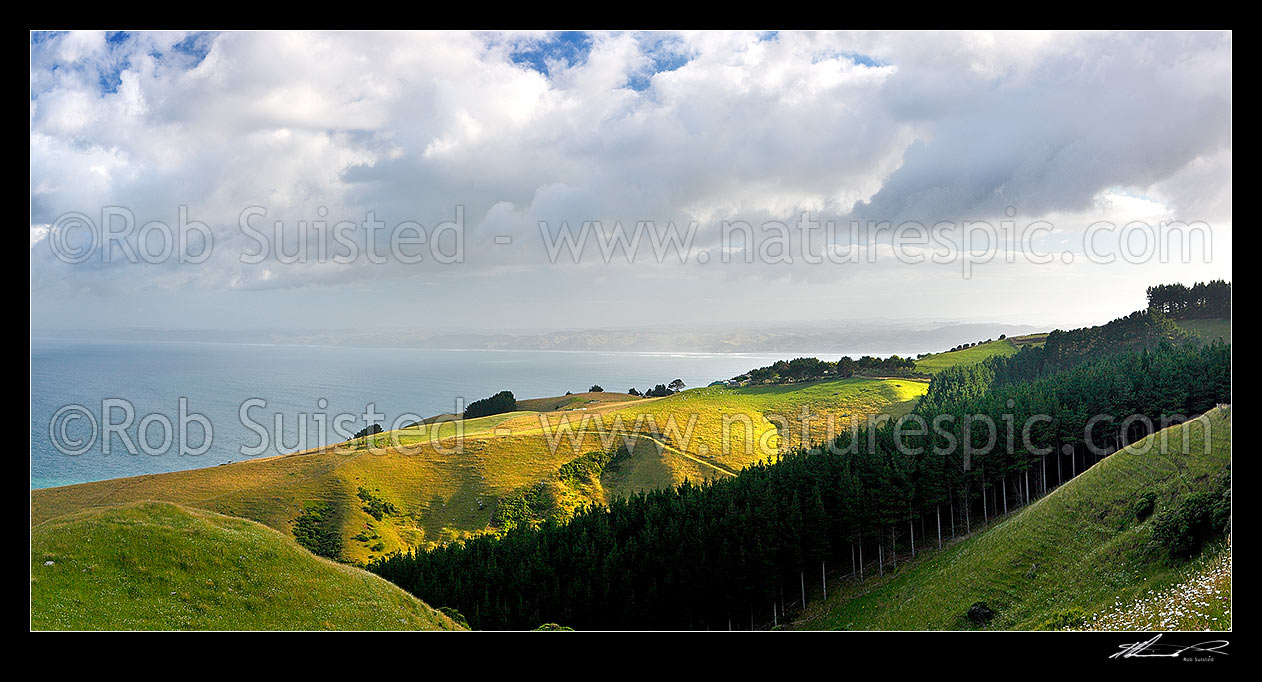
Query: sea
point(106, 409)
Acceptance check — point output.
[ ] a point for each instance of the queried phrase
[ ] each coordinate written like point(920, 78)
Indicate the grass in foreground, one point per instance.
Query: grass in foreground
point(1075, 553)
point(154, 565)
point(1202, 601)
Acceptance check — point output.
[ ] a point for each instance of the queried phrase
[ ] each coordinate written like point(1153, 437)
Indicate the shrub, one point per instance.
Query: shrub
point(589, 467)
point(497, 404)
point(455, 616)
point(1142, 507)
point(1061, 620)
point(1196, 519)
point(553, 627)
point(524, 508)
point(316, 529)
point(595, 389)
point(375, 506)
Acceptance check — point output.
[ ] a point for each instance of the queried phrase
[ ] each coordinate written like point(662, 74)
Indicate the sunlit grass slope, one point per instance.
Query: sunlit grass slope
point(440, 492)
point(1208, 329)
point(573, 401)
point(932, 364)
point(155, 565)
point(1079, 552)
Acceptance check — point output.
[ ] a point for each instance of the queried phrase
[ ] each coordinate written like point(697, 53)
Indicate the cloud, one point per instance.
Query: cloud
point(521, 128)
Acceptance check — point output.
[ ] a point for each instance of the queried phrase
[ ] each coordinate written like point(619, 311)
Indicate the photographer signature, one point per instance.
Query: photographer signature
point(1151, 649)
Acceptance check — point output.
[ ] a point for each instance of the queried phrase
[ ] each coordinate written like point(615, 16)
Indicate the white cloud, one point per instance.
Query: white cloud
point(922, 126)
point(38, 233)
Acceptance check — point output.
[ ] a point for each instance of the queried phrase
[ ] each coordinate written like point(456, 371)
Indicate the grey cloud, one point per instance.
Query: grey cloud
point(409, 126)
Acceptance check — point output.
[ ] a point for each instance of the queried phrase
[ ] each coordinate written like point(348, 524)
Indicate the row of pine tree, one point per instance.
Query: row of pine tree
point(742, 552)
point(1201, 300)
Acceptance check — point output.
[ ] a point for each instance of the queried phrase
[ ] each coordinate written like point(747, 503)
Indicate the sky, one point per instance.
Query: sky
point(253, 180)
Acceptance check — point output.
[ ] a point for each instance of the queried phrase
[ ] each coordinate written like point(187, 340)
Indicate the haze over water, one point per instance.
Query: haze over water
point(216, 378)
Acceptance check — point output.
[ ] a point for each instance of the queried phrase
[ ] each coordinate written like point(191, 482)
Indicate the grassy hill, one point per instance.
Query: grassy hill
point(932, 364)
point(1208, 329)
point(154, 565)
point(573, 401)
point(432, 491)
point(1201, 601)
point(1028, 340)
point(1078, 553)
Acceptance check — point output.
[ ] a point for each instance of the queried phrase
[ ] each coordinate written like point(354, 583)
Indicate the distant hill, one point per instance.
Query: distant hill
point(932, 364)
point(1081, 552)
point(851, 336)
point(156, 565)
point(574, 401)
point(1208, 329)
point(514, 467)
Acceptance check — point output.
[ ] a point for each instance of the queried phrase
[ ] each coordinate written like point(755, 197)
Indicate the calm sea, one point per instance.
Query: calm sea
point(303, 386)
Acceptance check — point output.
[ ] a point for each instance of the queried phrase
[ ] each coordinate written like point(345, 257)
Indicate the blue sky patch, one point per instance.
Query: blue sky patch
point(858, 58)
point(666, 54)
point(567, 48)
point(41, 37)
point(196, 46)
point(863, 59)
point(110, 74)
point(119, 46)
